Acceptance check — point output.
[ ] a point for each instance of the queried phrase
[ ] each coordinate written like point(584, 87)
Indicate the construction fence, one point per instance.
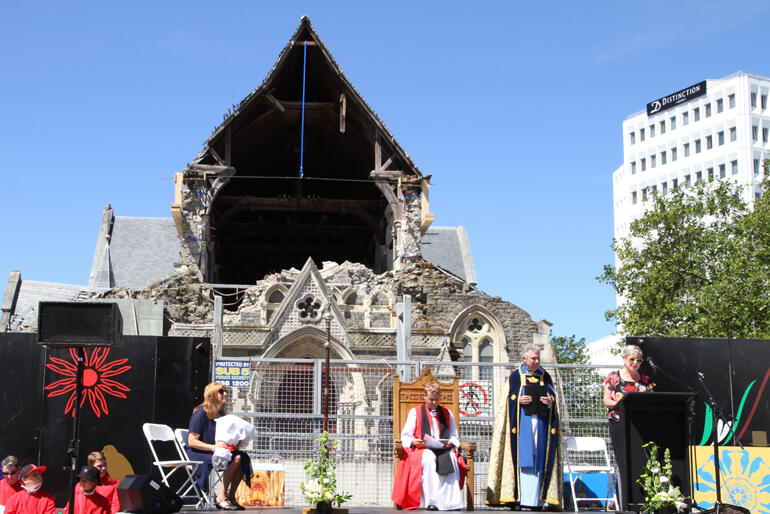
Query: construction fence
point(284, 399)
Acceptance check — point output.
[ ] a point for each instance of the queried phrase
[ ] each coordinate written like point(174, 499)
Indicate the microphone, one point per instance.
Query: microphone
point(651, 363)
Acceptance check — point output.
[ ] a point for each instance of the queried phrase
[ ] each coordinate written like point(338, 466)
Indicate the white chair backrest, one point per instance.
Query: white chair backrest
point(181, 438)
point(587, 444)
point(156, 432)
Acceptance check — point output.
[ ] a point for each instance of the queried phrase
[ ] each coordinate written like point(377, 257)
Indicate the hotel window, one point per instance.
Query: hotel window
point(756, 166)
point(709, 142)
point(697, 146)
point(687, 180)
point(641, 134)
point(757, 196)
point(733, 133)
point(764, 134)
point(673, 122)
point(633, 197)
point(720, 105)
point(674, 183)
point(753, 100)
point(663, 127)
point(710, 173)
point(665, 188)
point(632, 137)
point(644, 194)
point(644, 164)
point(653, 160)
point(764, 101)
point(663, 157)
point(696, 114)
point(673, 154)
point(734, 166)
point(722, 172)
point(708, 110)
point(721, 137)
point(633, 168)
point(754, 133)
point(698, 177)
point(731, 101)
point(652, 130)
point(654, 189)
point(686, 149)
point(685, 118)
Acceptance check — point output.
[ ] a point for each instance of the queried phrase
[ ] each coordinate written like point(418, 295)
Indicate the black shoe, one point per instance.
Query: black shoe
point(432, 507)
point(234, 504)
point(224, 505)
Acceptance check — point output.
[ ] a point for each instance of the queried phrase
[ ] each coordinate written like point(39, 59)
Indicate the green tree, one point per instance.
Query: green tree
point(570, 349)
point(696, 264)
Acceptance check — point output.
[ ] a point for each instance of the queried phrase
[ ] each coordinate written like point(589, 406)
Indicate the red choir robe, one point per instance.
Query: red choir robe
point(93, 503)
point(39, 502)
point(7, 490)
point(408, 482)
point(109, 489)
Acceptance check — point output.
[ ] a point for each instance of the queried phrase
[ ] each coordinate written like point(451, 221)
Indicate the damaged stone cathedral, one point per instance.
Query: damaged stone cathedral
point(301, 205)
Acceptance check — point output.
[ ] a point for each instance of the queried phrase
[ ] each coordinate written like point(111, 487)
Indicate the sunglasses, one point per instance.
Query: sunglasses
point(222, 391)
point(632, 359)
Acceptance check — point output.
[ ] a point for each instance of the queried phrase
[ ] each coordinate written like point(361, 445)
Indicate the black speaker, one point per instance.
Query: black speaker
point(68, 324)
point(140, 493)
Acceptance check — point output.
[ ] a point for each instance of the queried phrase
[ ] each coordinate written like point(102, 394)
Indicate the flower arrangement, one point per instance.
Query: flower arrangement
point(659, 492)
point(322, 484)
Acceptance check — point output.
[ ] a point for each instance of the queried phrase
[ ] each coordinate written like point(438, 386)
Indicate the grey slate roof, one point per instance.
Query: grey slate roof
point(31, 293)
point(448, 248)
point(142, 250)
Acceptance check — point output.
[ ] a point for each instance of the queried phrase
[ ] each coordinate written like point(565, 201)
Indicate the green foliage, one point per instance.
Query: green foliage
point(656, 481)
point(322, 474)
point(696, 264)
point(570, 349)
point(581, 386)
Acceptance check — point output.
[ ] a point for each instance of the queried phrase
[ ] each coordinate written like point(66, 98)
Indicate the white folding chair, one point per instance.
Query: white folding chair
point(181, 435)
point(189, 489)
point(595, 449)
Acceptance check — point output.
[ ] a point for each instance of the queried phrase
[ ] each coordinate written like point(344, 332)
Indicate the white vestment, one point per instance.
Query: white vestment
point(443, 491)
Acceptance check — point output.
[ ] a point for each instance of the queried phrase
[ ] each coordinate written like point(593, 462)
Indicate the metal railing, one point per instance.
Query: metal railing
point(283, 400)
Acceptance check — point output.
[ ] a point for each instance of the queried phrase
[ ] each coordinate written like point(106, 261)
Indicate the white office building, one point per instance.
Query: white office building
point(713, 129)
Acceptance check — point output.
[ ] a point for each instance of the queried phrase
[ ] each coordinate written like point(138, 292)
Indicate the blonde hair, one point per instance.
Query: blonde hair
point(94, 456)
point(10, 461)
point(211, 404)
point(630, 350)
point(433, 388)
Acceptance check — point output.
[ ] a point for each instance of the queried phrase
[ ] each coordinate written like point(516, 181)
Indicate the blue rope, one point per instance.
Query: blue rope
point(302, 128)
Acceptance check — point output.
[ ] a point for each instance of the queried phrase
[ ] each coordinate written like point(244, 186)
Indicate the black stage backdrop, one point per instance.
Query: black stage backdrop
point(735, 370)
point(141, 379)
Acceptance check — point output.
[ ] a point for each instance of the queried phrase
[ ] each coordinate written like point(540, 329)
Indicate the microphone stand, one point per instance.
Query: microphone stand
point(717, 414)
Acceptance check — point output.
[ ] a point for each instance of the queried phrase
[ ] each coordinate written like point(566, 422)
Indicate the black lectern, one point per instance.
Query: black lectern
point(663, 419)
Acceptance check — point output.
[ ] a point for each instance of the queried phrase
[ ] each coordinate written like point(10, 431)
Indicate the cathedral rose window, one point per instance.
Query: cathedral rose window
point(309, 308)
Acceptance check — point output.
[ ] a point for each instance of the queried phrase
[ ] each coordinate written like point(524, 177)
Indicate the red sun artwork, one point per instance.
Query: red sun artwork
point(96, 379)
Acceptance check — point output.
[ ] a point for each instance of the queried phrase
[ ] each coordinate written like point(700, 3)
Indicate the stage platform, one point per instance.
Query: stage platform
point(379, 510)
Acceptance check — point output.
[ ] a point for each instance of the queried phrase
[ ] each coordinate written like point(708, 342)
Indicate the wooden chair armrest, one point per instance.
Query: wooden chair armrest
point(468, 447)
point(398, 449)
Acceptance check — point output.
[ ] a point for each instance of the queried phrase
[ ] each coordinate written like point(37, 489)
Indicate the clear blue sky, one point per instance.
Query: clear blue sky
point(515, 108)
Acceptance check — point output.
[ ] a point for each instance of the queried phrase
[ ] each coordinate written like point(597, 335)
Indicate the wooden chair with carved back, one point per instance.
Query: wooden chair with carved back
point(407, 395)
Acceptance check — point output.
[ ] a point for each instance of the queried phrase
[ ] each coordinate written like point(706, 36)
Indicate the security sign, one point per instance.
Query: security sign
point(473, 399)
point(233, 373)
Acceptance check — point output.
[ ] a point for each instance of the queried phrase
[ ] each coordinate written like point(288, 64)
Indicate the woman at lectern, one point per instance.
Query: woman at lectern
point(617, 384)
point(201, 444)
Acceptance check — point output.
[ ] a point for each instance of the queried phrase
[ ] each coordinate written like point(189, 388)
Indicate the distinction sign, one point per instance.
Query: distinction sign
point(677, 98)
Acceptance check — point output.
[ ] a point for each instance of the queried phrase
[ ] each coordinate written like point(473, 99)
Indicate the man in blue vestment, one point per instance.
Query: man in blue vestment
point(524, 463)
